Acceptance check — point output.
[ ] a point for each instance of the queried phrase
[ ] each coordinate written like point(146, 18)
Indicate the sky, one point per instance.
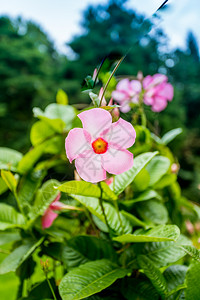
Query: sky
point(61, 19)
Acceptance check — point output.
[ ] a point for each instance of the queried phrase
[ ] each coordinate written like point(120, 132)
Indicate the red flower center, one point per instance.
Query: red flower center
point(100, 146)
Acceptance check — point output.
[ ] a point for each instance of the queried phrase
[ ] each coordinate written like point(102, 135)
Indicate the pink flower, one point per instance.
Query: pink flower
point(127, 92)
point(157, 91)
point(49, 215)
point(100, 146)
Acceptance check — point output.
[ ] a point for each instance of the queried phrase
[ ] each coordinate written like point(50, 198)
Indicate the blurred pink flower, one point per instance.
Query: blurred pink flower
point(127, 92)
point(100, 145)
point(49, 215)
point(157, 91)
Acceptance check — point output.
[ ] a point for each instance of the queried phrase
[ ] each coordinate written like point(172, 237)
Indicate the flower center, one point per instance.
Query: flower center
point(100, 146)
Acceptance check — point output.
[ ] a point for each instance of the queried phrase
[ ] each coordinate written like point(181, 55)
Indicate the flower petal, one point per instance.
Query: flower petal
point(125, 107)
point(117, 161)
point(90, 168)
point(166, 91)
point(120, 96)
point(136, 86)
point(159, 104)
point(121, 135)
point(123, 85)
point(48, 218)
point(77, 141)
point(95, 121)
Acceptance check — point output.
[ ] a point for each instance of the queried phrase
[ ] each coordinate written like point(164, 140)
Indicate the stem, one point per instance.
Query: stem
point(103, 211)
point(18, 203)
point(117, 208)
point(50, 286)
point(113, 72)
point(91, 221)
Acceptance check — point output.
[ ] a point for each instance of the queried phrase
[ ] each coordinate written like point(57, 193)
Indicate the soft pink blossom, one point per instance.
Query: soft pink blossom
point(49, 215)
point(100, 146)
point(157, 91)
point(126, 92)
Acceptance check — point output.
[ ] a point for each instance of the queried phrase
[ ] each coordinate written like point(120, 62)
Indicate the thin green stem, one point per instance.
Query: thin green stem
point(103, 211)
point(18, 203)
point(109, 79)
point(91, 221)
point(117, 208)
point(50, 286)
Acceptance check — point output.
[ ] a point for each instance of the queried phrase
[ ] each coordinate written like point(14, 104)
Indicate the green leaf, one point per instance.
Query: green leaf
point(157, 168)
point(164, 181)
point(8, 237)
point(175, 276)
point(171, 135)
point(9, 159)
point(158, 234)
point(134, 220)
point(87, 189)
point(82, 249)
point(28, 186)
point(61, 97)
point(44, 197)
point(139, 289)
point(192, 251)
point(92, 204)
point(163, 253)
point(31, 157)
point(40, 132)
point(141, 181)
point(9, 218)
point(153, 212)
point(123, 180)
point(154, 274)
point(3, 186)
point(89, 279)
point(18, 256)
point(192, 281)
point(9, 179)
point(58, 116)
point(147, 195)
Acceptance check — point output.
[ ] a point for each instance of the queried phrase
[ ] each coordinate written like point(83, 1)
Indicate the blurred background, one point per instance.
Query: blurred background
point(45, 46)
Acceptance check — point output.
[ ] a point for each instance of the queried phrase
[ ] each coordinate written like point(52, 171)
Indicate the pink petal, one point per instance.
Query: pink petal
point(125, 107)
point(159, 78)
point(120, 96)
point(77, 141)
point(136, 86)
point(121, 135)
point(148, 100)
point(117, 161)
point(48, 218)
point(57, 205)
point(147, 81)
point(95, 121)
point(166, 91)
point(159, 104)
point(90, 168)
point(123, 85)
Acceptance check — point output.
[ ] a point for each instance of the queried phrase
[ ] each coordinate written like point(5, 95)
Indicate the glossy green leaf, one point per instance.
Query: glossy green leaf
point(158, 166)
point(89, 279)
point(135, 222)
point(40, 132)
point(153, 212)
point(82, 249)
point(171, 135)
point(163, 253)
point(192, 251)
point(154, 274)
point(18, 256)
point(9, 179)
point(3, 186)
point(45, 195)
point(192, 281)
point(165, 180)
point(61, 97)
point(92, 204)
point(9, 159)
point(175, 276)
point(157, 234)
point(8, 237)
point(147, 195)
point(10, 218)
point(123, 180)
point(87, 189)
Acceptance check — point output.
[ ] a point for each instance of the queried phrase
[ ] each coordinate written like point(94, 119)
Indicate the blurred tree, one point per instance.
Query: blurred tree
point(29, 76)
point(114, 27)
